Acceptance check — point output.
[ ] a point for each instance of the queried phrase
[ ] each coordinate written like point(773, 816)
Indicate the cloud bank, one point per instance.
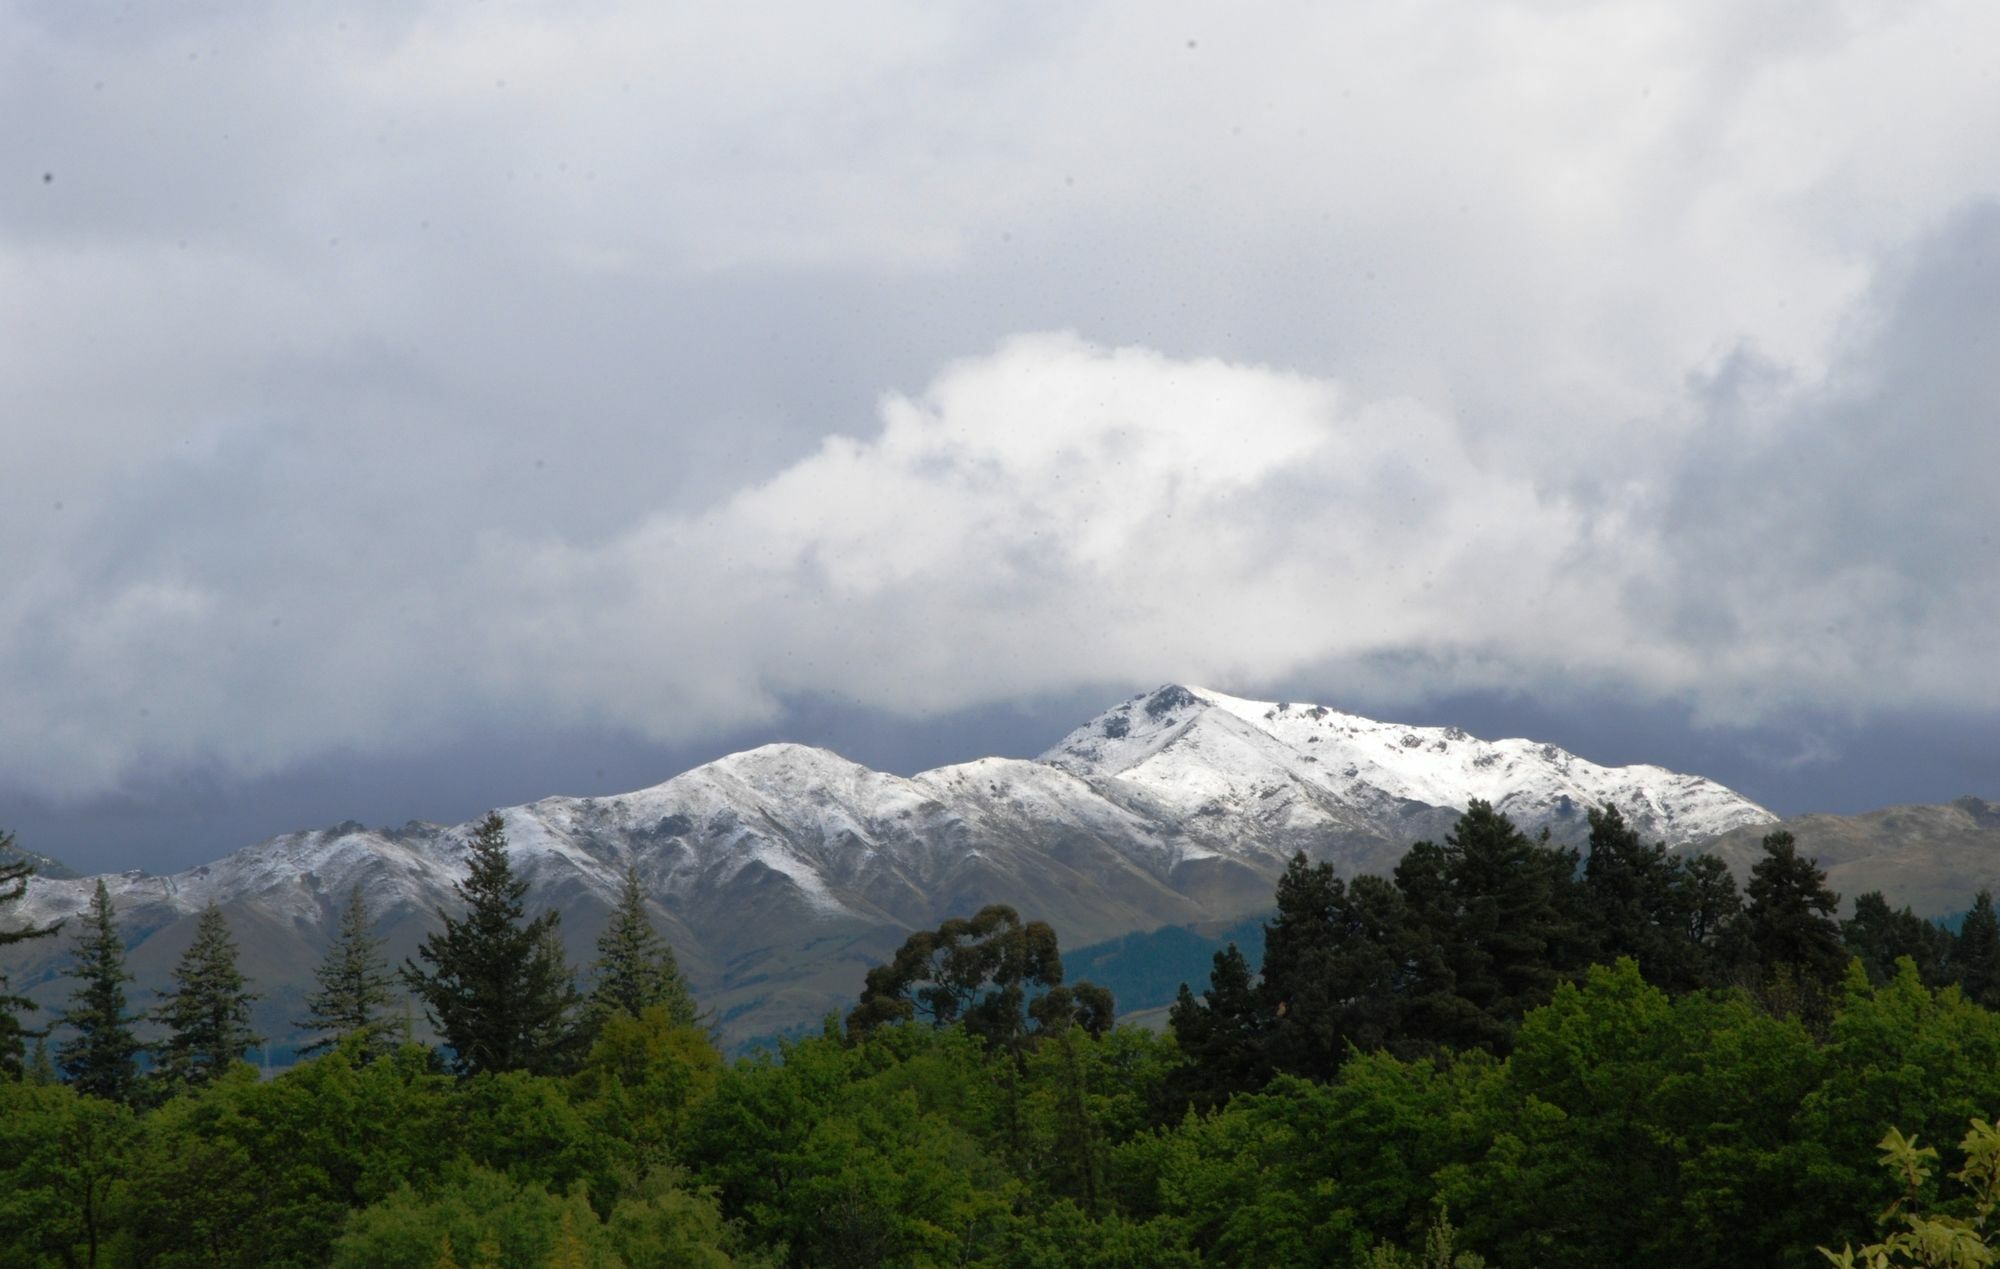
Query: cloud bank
point(378, 378)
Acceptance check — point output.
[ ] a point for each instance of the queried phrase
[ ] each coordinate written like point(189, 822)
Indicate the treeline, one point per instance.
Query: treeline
point(1435, 1069)
point(1467, 936)
point(496, 986)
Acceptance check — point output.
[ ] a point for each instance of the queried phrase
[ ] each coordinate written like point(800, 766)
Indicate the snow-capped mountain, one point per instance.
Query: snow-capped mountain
point(781, 873)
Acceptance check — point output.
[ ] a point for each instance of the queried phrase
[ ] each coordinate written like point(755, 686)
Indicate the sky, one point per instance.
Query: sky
point(410, 409)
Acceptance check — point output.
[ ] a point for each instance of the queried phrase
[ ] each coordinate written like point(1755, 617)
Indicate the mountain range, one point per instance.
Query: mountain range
point(782, 873)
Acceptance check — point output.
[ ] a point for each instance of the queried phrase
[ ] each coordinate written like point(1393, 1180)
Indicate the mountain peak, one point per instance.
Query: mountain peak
point(1197, 744)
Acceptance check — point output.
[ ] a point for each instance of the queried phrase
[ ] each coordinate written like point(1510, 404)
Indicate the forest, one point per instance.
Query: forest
point(1508, 1053)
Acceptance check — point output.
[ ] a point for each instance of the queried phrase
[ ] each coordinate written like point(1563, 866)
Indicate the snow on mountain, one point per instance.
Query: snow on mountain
point(1198, 748)
point(781, 873)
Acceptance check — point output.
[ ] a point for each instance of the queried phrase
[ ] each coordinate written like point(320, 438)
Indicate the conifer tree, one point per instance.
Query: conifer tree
point(635, 967)
point(1790, 915)
point(353, 987)
point(1975, 953)
point(14, 874)
point(207, 1013)
point(101, 1058)
point(1222, 1034)
point(495, 983)
point(41, 1069)
point(1503, 914)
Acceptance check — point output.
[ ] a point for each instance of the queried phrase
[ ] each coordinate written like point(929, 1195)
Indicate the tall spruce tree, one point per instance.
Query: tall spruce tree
point(635, 967)
point(207, 1014)
point(101, 1058)
point(495, 984)
point(14, 874)
point(353, 992)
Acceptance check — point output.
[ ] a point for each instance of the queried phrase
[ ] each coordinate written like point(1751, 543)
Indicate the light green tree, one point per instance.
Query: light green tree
point(1929, 1238)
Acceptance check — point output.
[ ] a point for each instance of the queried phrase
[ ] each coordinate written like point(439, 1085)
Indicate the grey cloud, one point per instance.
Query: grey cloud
point(481, 324)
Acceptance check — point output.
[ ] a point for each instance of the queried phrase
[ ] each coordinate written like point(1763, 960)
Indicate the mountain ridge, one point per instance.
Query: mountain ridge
point(781, 873)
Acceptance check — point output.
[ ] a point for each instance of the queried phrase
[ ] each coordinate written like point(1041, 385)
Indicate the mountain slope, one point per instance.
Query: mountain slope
point(1933, 858)
point(781, 873)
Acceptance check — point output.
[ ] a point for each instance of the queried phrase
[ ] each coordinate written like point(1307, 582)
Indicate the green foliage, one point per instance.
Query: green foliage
point(990, 973)
point(1878, 937)
point(644, 1079)
point(101, 1055)
point(1790, 922)
point(476, 1217)
point(14, 874)
point(1975, 954)
point(60, 1156)
point(1668, 912)
point(352, 997)
point(635, 968)
point(497, 988)
point(207, 1013)
point(1935, 1238)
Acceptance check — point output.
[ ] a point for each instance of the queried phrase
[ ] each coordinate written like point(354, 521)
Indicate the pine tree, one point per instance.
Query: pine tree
point(353, 987)
point(1880, 936)
point(1222, 1034)
point(1790, 916)
point(14, 874)
point(635, 967)
point(101, 1058)
point(1975, 953)
point(496, 987)
point(207, 1014)
point(1504, 915)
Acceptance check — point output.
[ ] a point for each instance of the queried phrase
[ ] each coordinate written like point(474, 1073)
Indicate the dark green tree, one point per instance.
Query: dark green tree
point(989, 972)
point(1505, 914)
point(207, 1014)
point(1223, 1035)
point(1975, 953)
point(635, 967)
point(353, 993)
point(14, 874)
point(1880, 936)
point(101, 1057)
point(1342, 962)
point(494, 982)
point(1665, 911)
point(1790, 918)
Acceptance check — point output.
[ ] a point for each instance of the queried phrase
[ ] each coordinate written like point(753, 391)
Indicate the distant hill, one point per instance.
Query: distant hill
point(1933, 858)
point(1145, 970)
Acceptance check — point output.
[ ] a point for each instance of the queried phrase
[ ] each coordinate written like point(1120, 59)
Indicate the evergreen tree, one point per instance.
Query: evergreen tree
point(1790, 919)
point(1222, 1035)
point(14, 874)
point(1975, 953)
point(1505, 914)
point(1880, 936)
point(207, 1014)
point(635, 967)
point(497, 987)
point(41, 1069)
point(1663, 910)
point(101, 1058)
point(353, 987)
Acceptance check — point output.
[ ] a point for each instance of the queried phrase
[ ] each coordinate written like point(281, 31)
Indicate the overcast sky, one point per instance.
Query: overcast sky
point(409, 408)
